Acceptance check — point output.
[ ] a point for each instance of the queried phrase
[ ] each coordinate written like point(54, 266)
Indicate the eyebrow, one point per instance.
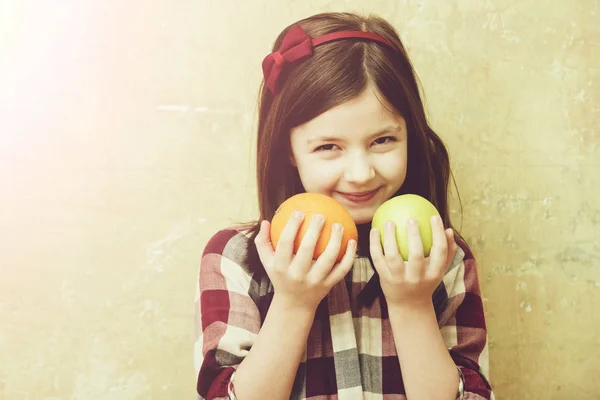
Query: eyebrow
point(389, 129)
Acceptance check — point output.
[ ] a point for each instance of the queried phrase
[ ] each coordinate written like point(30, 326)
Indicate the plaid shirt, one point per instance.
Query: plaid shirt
point(338, 362)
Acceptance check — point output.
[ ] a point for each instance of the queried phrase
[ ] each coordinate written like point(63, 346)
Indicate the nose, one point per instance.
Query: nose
point(358, 168)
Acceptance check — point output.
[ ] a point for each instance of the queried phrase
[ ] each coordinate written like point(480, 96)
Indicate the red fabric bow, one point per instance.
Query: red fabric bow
point(296, 45)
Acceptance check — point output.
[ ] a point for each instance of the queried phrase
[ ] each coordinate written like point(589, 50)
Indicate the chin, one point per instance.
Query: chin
point(362, 218)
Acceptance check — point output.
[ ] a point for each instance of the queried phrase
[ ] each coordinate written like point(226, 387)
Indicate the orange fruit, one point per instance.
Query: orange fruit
point(310, 204)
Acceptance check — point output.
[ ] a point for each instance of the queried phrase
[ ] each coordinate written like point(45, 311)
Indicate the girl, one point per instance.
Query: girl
point(341, 114)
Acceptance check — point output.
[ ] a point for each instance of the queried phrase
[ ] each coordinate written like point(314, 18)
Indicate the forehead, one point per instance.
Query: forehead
point(363, 115)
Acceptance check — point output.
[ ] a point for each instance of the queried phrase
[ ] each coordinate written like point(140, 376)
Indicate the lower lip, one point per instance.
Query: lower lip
point(365, 198)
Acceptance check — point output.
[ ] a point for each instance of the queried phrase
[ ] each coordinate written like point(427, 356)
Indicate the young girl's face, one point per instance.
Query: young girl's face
point(355, 153)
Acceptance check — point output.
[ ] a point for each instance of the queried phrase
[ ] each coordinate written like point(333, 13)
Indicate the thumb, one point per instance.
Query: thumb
point(376, 251)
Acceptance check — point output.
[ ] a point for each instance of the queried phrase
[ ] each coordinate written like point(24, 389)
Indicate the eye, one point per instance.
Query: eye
point(385, 140)
point(325, 147)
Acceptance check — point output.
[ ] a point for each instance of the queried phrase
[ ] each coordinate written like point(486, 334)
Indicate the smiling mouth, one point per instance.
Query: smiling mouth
point(360, 197)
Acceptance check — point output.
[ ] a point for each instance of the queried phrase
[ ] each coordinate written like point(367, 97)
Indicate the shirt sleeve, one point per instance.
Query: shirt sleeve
point(463, 326)
point(227, 317)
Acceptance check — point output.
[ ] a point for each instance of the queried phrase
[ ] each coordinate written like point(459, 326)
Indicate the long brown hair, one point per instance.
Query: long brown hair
point(337, 72)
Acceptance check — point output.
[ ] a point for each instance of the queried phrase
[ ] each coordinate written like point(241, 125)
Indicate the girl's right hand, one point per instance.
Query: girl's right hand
point(298, 280)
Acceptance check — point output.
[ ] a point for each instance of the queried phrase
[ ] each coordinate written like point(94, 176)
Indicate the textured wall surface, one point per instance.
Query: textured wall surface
point(125, 141)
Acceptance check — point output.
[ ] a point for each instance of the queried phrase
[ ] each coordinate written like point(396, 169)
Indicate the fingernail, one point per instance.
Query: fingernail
point(319, 218)
point(298, 214)
point(412, 221)
point(337, 227)
point(389, 225)
point(352, 243)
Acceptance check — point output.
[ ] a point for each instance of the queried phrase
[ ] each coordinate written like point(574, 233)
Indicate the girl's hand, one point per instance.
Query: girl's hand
point(412, 282)
point(298, 280)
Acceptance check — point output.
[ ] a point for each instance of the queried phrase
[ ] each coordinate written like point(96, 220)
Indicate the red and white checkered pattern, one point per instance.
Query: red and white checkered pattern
point(350, 352)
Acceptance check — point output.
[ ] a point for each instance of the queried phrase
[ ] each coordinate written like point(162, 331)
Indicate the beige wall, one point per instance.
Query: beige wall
point(125, 138)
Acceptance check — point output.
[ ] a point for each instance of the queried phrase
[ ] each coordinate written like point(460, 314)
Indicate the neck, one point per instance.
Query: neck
point(363, 239)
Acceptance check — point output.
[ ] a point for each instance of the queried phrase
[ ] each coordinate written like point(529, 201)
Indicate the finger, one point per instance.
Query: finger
point(328, 258)
point(264, 247)
point(452, 246)
point(390, 246)
point(303, 260)
point(389, 233)
point(285, 246)
point(438, 255)
point(416, 259)
point(376, 251)
point(339, 270)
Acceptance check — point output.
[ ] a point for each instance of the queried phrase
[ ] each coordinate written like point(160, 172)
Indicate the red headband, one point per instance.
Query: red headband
point(297, 45)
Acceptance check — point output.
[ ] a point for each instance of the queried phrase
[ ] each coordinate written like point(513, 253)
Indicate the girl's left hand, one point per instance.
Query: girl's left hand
point(412, 282)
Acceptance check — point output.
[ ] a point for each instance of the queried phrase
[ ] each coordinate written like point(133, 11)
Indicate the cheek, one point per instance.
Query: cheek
point(318, 175)
point(393, 166)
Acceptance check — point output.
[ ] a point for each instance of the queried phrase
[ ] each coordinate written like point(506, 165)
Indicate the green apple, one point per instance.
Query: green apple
point(398, 210)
